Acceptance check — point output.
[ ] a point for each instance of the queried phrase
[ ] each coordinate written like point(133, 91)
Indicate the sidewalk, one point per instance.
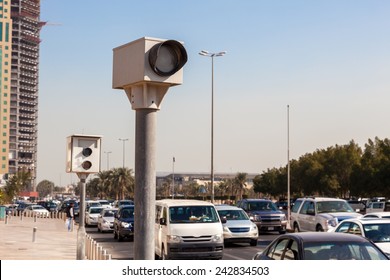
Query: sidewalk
point(52, 240)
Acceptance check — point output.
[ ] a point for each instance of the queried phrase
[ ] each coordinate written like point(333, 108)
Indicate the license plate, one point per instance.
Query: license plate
point(271, 228)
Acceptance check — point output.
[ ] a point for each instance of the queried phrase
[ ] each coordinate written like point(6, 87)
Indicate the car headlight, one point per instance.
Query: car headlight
point(283, 218)
point(253, 227)
point(332, 222)
point(173, 239)
point(225, 229)
point(253, 217)
point(106, 222)
point(217, 238)
point(126, 225)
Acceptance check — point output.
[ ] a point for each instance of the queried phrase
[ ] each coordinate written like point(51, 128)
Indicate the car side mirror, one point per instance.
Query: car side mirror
point(163, 221)
point(223, 220)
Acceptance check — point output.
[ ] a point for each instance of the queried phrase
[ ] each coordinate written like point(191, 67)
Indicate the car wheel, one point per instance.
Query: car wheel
point(253, 242)
point(296, 228)
point(319, 228)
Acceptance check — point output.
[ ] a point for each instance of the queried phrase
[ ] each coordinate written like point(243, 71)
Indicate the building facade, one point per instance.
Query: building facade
point(19, 43)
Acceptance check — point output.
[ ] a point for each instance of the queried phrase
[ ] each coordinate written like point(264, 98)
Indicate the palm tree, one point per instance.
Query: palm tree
point(106, 178)
point(240, 183)
point(123, 181)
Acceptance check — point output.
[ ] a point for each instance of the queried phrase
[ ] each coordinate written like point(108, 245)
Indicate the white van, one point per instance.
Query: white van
point(187, 229)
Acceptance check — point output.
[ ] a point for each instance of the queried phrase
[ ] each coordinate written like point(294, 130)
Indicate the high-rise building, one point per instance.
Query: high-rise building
point(19, 55)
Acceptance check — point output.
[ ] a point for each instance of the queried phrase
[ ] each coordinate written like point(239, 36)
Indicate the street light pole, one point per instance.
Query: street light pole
point(212, 55)
point(288, 169)
point(123, 141)
point(173, 178)
point(108, 160)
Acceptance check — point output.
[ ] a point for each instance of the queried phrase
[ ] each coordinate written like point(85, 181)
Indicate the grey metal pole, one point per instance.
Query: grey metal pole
point(145, 184)
point(212, 129)
point(123, 149)
point(288, 169)
point(81, 230)
point(34, 233)
point(173, 178)
point(212, 55)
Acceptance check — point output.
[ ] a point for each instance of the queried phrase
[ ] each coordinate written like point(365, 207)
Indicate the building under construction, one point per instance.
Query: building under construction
point(19, 54)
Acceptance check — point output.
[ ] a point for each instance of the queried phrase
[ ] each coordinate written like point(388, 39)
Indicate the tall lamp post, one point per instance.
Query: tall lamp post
point(123, 141)
point(212, 55)
point(108, 159)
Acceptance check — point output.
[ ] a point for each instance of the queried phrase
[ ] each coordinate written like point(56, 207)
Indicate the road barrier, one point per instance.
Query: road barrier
point(93, 251)
point(21, 214)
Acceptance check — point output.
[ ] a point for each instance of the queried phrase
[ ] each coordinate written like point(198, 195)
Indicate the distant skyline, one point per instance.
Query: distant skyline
point(328, 60)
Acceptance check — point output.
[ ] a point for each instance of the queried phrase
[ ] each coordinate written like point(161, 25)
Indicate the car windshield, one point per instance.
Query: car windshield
point(333, 206)
point(126, 202)
point(95, 210)
point(37, 207)
point(127, 213)
point(109, 213)
point(193, 214)
point(233, 214)
point(94, 204)
point(341, 251)
point(377, 232)
point(262, 206)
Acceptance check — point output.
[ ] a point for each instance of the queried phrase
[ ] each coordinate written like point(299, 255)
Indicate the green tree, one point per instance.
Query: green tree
point(45, 188)
point(17, 183)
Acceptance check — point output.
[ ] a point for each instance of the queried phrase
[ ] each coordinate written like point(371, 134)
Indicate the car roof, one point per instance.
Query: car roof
point(256, 199)
point(125, 206)
point(96, 207)
point(367, 221)
point(378, 213)
point(110, 209)
point(227, 207)
point(183, 202)
point(325, 236)
point(321, 199)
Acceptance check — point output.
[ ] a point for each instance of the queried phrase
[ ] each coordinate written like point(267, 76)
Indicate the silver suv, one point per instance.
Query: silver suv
point(265, 214)
point(320, 213)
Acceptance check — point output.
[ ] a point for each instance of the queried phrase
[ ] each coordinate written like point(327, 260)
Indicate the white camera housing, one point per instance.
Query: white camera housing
point(83, 154)
point(148, 60)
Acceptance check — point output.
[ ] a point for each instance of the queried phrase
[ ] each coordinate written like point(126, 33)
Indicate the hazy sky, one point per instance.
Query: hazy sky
point(328, 60)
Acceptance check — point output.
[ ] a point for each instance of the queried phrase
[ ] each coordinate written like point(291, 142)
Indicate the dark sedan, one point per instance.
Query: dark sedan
point(124, 223)
point(321, 246)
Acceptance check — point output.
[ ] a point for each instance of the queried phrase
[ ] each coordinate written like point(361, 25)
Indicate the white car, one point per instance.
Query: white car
point(36, 210)
point(320, 213)
point(238, 227)
point(106, 219)
point(104, 203)
point(92, 215)
point(383, 215)
point(375, 229)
